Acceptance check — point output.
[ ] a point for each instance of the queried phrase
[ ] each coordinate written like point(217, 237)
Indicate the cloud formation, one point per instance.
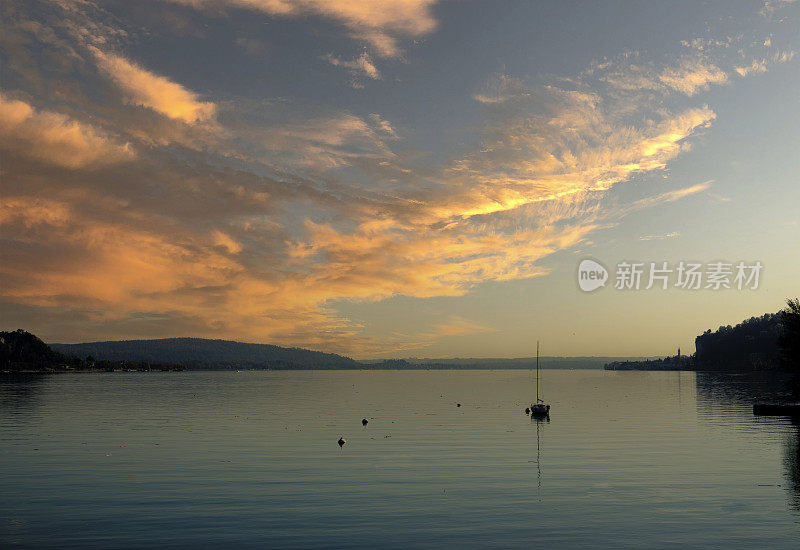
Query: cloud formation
point(254, 217)
point(692, 75)
point(142, 87)
point(694, 72)
point(56, 138)
point(380, 24)
point(248, 268)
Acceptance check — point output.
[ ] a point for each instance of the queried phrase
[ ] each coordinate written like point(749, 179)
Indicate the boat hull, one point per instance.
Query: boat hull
point(540, 410)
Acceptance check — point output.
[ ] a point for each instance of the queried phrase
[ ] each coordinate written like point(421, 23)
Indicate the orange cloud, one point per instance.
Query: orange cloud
point(372, 264)
point(225, 241)
point(144, 88)
point(757, 66)
point(458, 326)
point(453, 326)
point(55, 138)
point(692, 76)
point(694, 72)
point(476, 222)
point(381, 24)
point(215, 246)
point(577, 148)
point(669, 196)
point(109, 263)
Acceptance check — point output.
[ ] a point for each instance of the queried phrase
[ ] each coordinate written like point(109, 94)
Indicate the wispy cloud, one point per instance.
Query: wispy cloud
point(694, 72)
point(670, 235)
point(142, 87)
point(380, 24)
point(761, 65)
point(459, 326)
point(669, 196)
point(692, 75)
point(757, 66)
point(579, 144)
point(452, 326)
point(330, 142)
point(360, 66)
point(502, 88)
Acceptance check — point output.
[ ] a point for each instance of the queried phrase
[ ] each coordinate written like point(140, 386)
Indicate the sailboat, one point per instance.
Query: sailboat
point(540, 408)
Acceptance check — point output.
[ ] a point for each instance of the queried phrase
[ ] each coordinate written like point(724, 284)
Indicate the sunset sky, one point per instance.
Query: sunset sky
point(396, 178)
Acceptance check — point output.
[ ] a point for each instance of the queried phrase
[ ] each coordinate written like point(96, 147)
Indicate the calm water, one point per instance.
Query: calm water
point(628, 460)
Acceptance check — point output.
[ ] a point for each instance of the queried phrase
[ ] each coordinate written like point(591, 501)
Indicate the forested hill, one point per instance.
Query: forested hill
point(202, 353)
point(750, 345)
point(753, 344)
point(20, 350)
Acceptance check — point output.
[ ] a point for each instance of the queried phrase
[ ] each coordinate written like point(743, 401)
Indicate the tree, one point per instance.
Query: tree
point(21, 350)
point(789, 340)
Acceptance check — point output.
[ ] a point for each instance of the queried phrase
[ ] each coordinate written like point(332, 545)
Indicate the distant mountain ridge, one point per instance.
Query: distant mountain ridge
point(201, 352)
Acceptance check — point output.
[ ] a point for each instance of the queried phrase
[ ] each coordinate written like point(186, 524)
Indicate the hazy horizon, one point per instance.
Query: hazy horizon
point(387, 357)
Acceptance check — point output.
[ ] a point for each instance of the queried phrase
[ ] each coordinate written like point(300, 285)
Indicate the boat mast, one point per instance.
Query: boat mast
point(537, 371)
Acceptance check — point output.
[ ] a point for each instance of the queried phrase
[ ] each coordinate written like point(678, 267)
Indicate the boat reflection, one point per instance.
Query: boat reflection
point(540, 421)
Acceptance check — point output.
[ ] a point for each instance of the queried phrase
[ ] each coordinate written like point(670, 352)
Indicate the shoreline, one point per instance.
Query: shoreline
point(367, 368)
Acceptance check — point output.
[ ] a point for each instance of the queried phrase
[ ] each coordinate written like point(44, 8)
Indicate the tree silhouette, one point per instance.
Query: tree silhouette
point(750, 345)
point(789, 339)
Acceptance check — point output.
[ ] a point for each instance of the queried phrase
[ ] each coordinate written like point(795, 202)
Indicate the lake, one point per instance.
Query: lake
point(251, 460)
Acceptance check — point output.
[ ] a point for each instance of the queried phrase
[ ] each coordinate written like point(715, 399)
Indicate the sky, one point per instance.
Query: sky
point(405, 178)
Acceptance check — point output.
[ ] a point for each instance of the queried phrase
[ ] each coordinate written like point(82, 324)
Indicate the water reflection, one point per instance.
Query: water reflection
point(231, 460)
point(791, 464)
point(723, 397)
point(540, 421)
point(740, 389)
point(21, 393)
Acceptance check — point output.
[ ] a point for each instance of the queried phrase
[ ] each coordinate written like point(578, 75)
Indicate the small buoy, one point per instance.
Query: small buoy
point(341, 441)
point(364, 421)
point(458, 404)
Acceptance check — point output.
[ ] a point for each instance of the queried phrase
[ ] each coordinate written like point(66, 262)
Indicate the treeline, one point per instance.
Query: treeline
point(677, 362)
point(768, 342)
point(750, 345)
